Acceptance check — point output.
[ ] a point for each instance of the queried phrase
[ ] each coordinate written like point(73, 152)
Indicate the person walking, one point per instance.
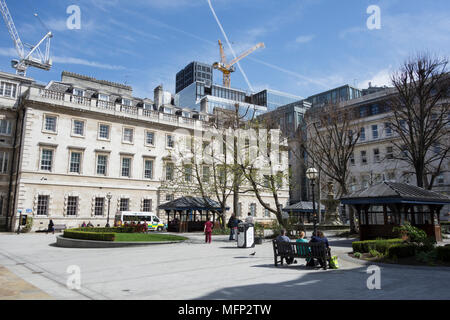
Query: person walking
point(208, 230)
point(232, 224)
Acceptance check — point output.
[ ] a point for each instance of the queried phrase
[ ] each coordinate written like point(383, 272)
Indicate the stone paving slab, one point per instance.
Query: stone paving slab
point(14, 288)
point(195, 270)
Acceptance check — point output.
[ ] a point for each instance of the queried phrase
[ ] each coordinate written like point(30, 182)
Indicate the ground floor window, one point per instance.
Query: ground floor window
point(124, 204)
point(42, 207)
point(99, 206)
point(72, 206)
point(147, 205)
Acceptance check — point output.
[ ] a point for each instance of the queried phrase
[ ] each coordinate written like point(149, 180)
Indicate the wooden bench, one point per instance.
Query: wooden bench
point(59, 227)
point(304, 250)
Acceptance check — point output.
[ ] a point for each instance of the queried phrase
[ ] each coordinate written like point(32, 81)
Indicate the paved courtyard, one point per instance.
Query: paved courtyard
point(194, 270)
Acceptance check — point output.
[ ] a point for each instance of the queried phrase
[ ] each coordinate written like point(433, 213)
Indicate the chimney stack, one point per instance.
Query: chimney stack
point(158, 96)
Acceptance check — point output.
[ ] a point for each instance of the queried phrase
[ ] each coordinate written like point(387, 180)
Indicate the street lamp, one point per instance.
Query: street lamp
point(312, 175)
point(108, 196)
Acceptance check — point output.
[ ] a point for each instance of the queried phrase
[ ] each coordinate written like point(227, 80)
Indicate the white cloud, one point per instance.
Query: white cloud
point(71, 60)
point(379, 79)
point(304, 38)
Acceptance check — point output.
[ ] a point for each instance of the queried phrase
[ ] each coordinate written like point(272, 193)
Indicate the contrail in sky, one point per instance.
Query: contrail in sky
point(229, 45)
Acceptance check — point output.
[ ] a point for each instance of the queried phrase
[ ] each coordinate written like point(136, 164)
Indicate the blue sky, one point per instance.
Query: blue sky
point(311, 45)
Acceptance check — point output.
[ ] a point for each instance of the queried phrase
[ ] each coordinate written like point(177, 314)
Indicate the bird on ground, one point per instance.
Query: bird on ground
point(252, 254)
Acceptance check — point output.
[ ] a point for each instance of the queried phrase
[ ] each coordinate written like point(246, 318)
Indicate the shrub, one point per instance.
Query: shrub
point(85, 235)
point(28, 225)
point(426, 257)
point(379, 245)
point(107, 230)
point(374, 253)
point(357, 255)
point(443, 253)
point(402, 250)
point(414, 234)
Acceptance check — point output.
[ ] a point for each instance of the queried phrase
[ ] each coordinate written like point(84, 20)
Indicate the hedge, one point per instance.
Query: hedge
point(379, 245)
point(402, 251)
point(84, 235)
point(107, 230)
point(443, 253)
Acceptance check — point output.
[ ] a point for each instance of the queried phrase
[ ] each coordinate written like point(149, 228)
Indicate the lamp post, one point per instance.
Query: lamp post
point(108, 196)
point(312, 175)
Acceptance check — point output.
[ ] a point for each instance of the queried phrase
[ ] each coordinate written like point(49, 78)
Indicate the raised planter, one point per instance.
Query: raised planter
point(77, 243)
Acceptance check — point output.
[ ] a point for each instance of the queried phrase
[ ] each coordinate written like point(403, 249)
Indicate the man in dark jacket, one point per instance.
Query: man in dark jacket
point(232, 224)
point(320, 237)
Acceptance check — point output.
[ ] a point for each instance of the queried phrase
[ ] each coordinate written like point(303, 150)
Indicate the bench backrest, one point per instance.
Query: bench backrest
point(299, 249)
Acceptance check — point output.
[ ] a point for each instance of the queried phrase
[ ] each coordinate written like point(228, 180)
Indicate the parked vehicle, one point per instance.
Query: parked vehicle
point(153, 221)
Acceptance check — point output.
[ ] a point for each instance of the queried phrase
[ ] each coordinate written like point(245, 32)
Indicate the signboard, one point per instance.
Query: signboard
point(29, 211)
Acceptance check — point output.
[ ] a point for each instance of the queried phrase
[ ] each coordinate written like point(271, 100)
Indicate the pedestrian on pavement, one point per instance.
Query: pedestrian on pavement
point(208, 230)
point(250, 219)
point(51, 227)
point(232, 224)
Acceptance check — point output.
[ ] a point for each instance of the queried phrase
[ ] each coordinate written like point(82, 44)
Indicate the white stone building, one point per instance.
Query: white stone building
point(79, 139)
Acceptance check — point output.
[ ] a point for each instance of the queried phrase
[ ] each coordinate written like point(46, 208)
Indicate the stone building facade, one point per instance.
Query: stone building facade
point(80, 139)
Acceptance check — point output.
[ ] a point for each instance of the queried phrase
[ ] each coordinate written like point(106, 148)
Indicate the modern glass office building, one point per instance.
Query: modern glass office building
point(194, 71)
point(273, 99)
point(336, 95)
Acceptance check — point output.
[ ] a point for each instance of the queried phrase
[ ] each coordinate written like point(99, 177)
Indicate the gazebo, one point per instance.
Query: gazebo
point(383, 206)
point(189, 214)
point(303, 211)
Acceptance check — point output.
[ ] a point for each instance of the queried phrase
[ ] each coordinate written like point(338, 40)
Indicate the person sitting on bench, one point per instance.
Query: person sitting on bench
point(320, 237)
point(284, 238)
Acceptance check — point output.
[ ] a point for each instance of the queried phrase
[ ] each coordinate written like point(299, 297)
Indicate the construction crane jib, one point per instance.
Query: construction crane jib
point(29, 55)
point(228, 68)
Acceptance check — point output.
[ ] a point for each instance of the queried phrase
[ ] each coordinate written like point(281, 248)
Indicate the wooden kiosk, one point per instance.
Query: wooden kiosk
point(386, 205)
point(189, 214)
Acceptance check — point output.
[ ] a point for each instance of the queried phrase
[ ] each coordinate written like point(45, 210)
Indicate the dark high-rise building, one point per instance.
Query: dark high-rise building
point(194, 71)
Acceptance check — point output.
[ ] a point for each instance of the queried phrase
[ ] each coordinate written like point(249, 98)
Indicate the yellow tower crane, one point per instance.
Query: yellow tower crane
point(228, 68)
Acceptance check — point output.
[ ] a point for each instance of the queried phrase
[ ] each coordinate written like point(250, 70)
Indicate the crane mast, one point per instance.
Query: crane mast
point(32, 58)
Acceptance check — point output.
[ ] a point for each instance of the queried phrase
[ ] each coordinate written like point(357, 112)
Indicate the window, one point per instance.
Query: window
point(374, 131)
point(352, 159)
point(147, 205)
point(126, 102)
point(149, 138)
point(102, 164)
point(78, 92)
point(362, 136)
point(75, 162)
point(124, 204)
point(46, 159)
point(50, 123)
point(169, 141)
point(440, 179)
point(205, 176)
point(363, 157)
point(391, 176)
point(148, 169)
point(8, 89)
point(103, 97)
point(169, 171)
point(5, 127)
point(126, 167)
point(128, 135)
point(389, 153)
point(266, 213)
point(42, 205)
point(188, 173)
point(169, 197)
point(374, 109)
point(253, 209)
point(388, 129)
point(72, 206)
point(376, 155)
point(4, 159)
point(78, 127)
point(99, 206)
point(103, 131)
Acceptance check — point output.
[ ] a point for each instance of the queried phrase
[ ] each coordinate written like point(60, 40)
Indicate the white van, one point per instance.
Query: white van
point(153, 221)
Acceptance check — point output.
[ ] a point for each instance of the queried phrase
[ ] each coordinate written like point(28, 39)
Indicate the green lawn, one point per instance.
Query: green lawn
point(128, 237)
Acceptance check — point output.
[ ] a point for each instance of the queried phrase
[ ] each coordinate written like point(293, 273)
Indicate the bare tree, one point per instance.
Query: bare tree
point(329, 142)
point(421, 118)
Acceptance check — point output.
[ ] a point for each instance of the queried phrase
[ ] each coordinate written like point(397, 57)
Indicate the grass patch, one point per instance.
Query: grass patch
point(149, 237)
